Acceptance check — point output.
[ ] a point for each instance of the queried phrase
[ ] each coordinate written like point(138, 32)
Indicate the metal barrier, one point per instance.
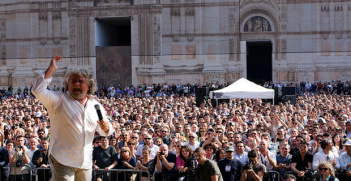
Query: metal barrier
point(102, 173)
point(271, 176)
point(124, 173)
point(21, 175)
point(38, 176)
point(342, 176)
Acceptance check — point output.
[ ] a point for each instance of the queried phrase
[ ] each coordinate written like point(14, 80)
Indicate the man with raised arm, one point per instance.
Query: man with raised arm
point(73, 121)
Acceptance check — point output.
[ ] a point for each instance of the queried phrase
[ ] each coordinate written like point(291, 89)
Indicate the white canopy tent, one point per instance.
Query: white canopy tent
point(244, 89)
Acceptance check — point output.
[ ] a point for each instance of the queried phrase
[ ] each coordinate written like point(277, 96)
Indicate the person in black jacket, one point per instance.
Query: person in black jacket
point(4, 160)
point(40, 159)
point(230, 167)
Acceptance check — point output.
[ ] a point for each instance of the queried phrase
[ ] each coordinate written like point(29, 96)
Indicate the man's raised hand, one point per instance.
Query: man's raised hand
point(53, 62)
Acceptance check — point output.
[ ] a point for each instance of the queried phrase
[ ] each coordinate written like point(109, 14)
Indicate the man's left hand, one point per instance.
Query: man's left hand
point(104, 125)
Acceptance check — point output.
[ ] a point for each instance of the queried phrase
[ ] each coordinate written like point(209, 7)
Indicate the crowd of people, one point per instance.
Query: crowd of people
point(167, 133)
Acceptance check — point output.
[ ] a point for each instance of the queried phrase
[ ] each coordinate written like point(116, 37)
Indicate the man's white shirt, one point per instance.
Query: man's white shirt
point(72, 125)
point(193, 147)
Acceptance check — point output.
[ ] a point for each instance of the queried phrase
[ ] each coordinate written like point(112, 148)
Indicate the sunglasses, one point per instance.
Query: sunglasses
point(219, 132)
point(163, 131)
point(319, 140)
point(284, 149)
point(187, 130)
point(229, 152)
point(209, 148)
point(323, 169)
point(131, 144)
point(147, 138)
point(97, 142)
point(179, 146)
point(191, 137)
point(124, 151)
point(134, 137)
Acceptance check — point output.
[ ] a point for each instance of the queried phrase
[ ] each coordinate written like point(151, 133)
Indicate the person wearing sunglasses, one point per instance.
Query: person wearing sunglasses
point(147, 142)
point(327, 171)
point(132, 146)
point(179, 144)
point(326, 154)
point(126, 162)
point(210, 150)
point(192, 143)
point(283, 160)
point(301, 160)
point(230, 167)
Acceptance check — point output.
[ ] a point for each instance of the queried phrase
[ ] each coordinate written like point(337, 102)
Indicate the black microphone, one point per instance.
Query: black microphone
point(97, 107)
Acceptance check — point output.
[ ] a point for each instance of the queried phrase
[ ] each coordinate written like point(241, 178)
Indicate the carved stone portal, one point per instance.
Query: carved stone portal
point(257, 24)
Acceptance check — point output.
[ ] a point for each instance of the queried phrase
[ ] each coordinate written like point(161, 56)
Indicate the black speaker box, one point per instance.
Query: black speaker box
point(289, 91)
point(291, 98)
point(201, 94)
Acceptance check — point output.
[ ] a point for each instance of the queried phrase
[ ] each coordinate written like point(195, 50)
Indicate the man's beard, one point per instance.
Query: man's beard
point(77, 97)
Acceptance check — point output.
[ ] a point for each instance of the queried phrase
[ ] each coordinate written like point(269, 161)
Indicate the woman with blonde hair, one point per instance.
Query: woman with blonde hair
point(146, 163)
point(327, 171)
point(132, 146)
point(201, 134)
point(126, 162)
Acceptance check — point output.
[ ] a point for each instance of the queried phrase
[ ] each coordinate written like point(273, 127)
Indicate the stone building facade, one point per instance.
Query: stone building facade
point(179, 41)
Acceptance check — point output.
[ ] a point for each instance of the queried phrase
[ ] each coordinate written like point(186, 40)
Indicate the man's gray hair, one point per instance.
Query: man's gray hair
point(82, 72)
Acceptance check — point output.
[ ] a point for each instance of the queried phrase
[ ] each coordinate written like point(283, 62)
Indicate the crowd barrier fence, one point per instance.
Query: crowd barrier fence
point(8, 167)
point(340, 176)
point(111, 174)
point(271, 176)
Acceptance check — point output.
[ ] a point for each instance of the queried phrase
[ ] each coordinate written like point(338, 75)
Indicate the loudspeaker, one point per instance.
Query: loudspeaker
point(289, 91)
point(201, 94)
point(278, 92)
point(291, 98)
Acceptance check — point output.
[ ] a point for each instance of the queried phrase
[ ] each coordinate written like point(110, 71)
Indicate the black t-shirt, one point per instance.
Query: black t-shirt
point(171, 158)
point(104, 158)
point(235, 169)
point(302, 165)
point(293, 150)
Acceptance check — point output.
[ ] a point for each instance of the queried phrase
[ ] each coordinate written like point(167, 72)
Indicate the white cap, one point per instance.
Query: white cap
point(348, 143)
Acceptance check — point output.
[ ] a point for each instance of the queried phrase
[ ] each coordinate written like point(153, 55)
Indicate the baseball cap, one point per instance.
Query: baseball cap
point(348, 143)
point(229, 148)
point(151, 129)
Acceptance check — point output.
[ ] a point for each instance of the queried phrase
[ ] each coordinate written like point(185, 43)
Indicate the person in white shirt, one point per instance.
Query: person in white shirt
point(20, 155)
point(147, 142)
point(33, 143)
point(344, 161)
point(266, 157)
point(192, 143)
point(73, 122)
point(325, 155)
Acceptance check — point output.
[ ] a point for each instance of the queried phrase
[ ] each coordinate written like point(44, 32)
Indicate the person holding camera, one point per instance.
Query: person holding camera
point(253, 170)
point(302, 160)
point(19, 156)
point(40, 159)
point(207, 170)
point(165, 163)
point(184, 156)
point(230, 167)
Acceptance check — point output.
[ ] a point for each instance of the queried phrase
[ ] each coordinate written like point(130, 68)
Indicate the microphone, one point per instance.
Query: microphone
point(97, 107)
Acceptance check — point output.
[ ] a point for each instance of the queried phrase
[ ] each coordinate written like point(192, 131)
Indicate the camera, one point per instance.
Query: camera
point(162, 153)
point(309, 173)
point(18, 163)
point(20, 147)
point(191, 164)
point(247, 166)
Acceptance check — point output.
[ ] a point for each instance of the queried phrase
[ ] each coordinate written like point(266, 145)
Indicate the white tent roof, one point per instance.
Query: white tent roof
point(243, 88)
